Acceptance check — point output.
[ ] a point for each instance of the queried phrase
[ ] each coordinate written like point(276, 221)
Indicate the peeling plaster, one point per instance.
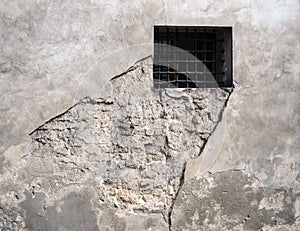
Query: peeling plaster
point(239, 167)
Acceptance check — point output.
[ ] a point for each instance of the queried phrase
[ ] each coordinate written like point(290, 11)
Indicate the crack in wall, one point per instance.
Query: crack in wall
point(182, 178)
point(234, 198)
point(174, 199)
point(132, 146)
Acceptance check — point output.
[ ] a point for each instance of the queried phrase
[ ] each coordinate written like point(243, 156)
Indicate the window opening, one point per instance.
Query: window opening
point(190, 57)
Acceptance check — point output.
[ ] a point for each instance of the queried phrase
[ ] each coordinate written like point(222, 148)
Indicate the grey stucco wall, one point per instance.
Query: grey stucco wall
point(57, 59)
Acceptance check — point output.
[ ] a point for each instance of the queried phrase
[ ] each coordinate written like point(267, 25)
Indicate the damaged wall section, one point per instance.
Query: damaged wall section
point(130, 147)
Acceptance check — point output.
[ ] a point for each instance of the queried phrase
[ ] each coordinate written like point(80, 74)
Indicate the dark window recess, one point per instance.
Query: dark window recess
point(191, 57)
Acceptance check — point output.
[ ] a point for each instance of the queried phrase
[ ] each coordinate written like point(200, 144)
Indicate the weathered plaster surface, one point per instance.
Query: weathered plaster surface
point(116, 155)
point(233, 200)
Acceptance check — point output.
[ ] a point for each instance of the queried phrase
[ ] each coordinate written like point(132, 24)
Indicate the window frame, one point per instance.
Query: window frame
point(171, 38)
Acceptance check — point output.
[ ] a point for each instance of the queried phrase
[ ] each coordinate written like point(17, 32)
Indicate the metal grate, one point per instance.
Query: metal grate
point(189, 57)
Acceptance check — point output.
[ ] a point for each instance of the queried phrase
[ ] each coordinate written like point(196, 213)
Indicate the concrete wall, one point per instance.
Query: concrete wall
point(87, 144)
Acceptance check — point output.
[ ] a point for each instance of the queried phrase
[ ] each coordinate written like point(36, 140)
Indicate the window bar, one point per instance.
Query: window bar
point(155, 55)
point(204, 57)
point(215, 67)
point(186, 56)
point(174, 57)
point(223, 58)
point(177, 57)
point(194, 57)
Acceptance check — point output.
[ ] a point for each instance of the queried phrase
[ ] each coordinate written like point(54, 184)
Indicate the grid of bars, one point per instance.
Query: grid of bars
point(189, 57)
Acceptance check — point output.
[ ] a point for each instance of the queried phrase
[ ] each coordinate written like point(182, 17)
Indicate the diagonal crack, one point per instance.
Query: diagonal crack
point(182, 178)
point(174, 199)
point(220, 118)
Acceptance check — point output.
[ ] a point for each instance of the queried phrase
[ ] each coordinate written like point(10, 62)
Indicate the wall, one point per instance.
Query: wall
point(87, 144)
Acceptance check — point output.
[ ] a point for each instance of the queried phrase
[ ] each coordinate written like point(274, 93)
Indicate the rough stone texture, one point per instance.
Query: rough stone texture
point(103, 144)
point(130, 147)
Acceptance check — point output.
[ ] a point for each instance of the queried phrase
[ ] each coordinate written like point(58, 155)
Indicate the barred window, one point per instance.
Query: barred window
point(192, 57)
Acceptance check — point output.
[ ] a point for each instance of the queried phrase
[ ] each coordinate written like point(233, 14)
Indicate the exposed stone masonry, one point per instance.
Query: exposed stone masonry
point(118, 163)
point(132, 145)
